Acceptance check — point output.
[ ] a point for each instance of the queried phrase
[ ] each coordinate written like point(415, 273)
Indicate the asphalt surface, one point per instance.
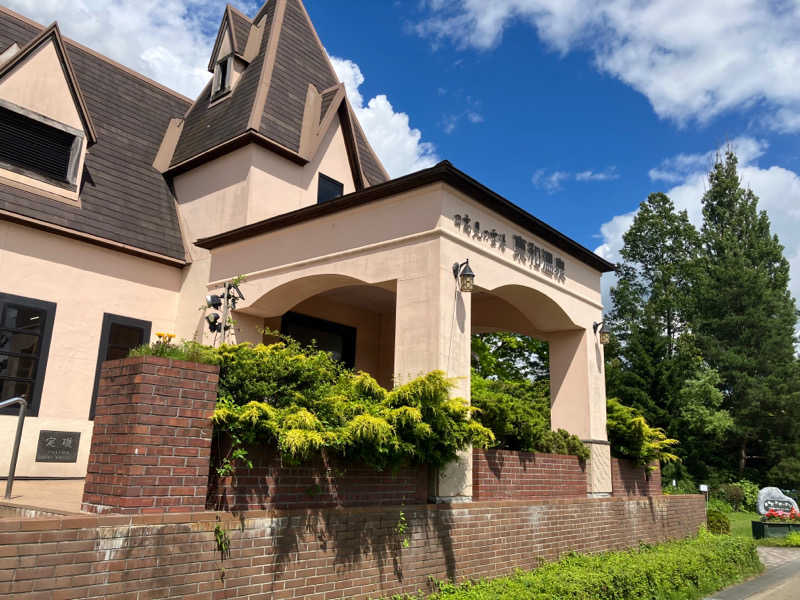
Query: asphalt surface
point(780, 581)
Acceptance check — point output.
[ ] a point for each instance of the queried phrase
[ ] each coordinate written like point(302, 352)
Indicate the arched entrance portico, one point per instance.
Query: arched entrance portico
point(386, 269)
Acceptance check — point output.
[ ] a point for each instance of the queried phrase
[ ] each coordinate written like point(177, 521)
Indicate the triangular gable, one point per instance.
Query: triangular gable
point(52, 34)
point(233, 32)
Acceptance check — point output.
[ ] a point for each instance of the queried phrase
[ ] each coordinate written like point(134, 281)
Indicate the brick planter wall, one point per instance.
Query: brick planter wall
point(325, 482)
point(508, 474)
point(628, 479)
point(152, 437)
point(320, 554)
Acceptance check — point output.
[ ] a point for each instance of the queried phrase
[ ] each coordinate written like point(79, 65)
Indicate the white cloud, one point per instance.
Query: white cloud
point(552, 182)
point(677, 168)
point(607, 175)
point(777, 188)
point(398, 145)
point(692, 60)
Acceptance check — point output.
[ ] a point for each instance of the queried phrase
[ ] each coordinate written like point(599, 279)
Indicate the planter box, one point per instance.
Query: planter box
point(773, 530)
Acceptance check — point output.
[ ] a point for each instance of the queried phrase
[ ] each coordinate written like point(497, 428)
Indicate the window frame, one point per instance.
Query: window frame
point(219, 88)
point(71, 182)
point(329, 180)
point(110, 319)
point(349, 334)
point(49, 308)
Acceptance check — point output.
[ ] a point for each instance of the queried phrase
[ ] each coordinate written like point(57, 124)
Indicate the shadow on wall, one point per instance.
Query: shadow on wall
point(394, 498)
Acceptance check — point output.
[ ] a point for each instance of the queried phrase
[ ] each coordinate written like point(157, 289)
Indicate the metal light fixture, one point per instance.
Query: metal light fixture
point(464, 275)
point(214, 323)
point(605, 337)
point(214, 301)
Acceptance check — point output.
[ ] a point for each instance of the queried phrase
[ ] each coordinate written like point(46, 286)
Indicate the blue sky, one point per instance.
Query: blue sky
point(572, 110)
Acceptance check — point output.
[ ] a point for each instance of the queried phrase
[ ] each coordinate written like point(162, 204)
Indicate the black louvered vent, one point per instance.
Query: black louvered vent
point(34, 146)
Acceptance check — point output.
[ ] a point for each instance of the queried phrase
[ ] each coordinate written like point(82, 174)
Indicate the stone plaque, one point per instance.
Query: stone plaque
point(771, 498)
point(58, 446)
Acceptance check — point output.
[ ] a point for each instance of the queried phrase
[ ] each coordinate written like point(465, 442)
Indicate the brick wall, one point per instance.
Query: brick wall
point(319, 554)
point(152, 436)
point(628, 479)
point(507, 474)
point(325, 482)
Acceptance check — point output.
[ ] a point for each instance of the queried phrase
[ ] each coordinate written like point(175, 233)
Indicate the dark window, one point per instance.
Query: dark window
point(117, 337)
point(328, 189)
point(339, 340)
point(34, 148)
point(222, 77)
point(25, 329)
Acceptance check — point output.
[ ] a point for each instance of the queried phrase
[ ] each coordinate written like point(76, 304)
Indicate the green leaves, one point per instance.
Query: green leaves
point(518, 412)
point(631, 436)
point(303, 401)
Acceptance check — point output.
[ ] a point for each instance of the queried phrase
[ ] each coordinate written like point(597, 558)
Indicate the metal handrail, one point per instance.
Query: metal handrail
point(23, 406)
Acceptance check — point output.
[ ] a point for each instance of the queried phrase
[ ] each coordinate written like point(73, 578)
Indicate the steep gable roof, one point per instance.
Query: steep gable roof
point(237, 27)
point(52, 34)
point(125, 203)
point(270, 103)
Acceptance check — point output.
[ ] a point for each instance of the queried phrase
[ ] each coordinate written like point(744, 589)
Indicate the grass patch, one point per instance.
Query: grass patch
point(680, 570)
point(740, 523)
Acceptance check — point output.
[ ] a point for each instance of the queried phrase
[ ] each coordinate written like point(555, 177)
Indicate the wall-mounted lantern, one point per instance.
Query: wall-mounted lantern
point(605, 337)
point(464, 276)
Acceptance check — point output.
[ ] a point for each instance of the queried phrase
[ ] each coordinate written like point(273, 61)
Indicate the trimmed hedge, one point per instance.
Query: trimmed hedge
point(686, 569)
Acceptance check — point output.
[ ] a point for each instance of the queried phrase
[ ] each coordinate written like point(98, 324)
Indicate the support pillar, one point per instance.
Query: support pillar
point(432, 332)
point(578, 399)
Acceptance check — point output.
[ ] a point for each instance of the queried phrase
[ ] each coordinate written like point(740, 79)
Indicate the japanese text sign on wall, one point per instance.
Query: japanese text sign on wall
point(58, 446)
point(525, 251)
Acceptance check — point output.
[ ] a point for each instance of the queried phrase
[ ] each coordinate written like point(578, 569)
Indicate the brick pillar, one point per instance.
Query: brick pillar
point(151, 443)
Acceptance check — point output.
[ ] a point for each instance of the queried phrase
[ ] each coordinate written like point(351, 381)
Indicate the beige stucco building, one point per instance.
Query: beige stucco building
point(124, 204)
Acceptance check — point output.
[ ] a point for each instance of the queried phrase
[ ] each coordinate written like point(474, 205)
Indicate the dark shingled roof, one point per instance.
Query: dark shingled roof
point(123, 198)
point(298, 60)
point(240, 27)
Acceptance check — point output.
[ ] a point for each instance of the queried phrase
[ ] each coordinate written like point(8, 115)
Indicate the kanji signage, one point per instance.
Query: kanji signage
point(58, 446)
point(525, 251)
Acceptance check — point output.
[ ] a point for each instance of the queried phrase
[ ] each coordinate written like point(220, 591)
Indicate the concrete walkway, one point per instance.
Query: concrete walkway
point(780, 581)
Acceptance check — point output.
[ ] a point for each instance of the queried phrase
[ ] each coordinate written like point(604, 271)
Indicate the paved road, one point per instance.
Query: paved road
point(780, 581)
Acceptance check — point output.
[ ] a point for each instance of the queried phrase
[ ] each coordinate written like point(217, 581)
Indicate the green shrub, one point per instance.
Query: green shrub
point(719, 505)
point(750, 491)
point(687, 569)
point(305, 402)
point(518, 412)
point(732, 494)
point(185, 350)
point(718, 522)
point(792, 539)
point(631, 437)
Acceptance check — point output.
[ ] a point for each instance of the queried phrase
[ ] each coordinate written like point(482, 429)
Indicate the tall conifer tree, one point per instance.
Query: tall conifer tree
point(744, 319)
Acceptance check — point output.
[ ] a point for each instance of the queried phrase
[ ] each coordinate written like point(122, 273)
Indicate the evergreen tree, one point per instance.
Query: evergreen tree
point(744, 319)
point(651, 354)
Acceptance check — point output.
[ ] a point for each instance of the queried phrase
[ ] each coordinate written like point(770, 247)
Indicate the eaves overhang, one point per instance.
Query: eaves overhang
point(443, 172)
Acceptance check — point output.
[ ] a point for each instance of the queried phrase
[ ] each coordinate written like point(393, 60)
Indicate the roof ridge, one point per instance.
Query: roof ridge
point(268, 65)
point(97, 54)
point(239, 13)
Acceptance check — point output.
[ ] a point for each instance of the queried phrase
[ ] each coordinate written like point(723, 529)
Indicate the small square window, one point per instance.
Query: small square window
point(328, 189)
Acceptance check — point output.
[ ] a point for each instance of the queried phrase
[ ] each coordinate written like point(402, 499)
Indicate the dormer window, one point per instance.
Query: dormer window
point(222, 77)
point(38, 147)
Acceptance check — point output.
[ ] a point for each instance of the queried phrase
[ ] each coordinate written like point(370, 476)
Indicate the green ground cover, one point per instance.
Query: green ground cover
point(680, 570)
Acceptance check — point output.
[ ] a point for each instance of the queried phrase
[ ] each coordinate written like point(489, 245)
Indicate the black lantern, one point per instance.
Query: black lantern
point(464, 275)
point(605, 337)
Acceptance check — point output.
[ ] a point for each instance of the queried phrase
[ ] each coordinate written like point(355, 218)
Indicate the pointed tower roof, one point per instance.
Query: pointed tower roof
point(286, 98)
point(52, 33)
